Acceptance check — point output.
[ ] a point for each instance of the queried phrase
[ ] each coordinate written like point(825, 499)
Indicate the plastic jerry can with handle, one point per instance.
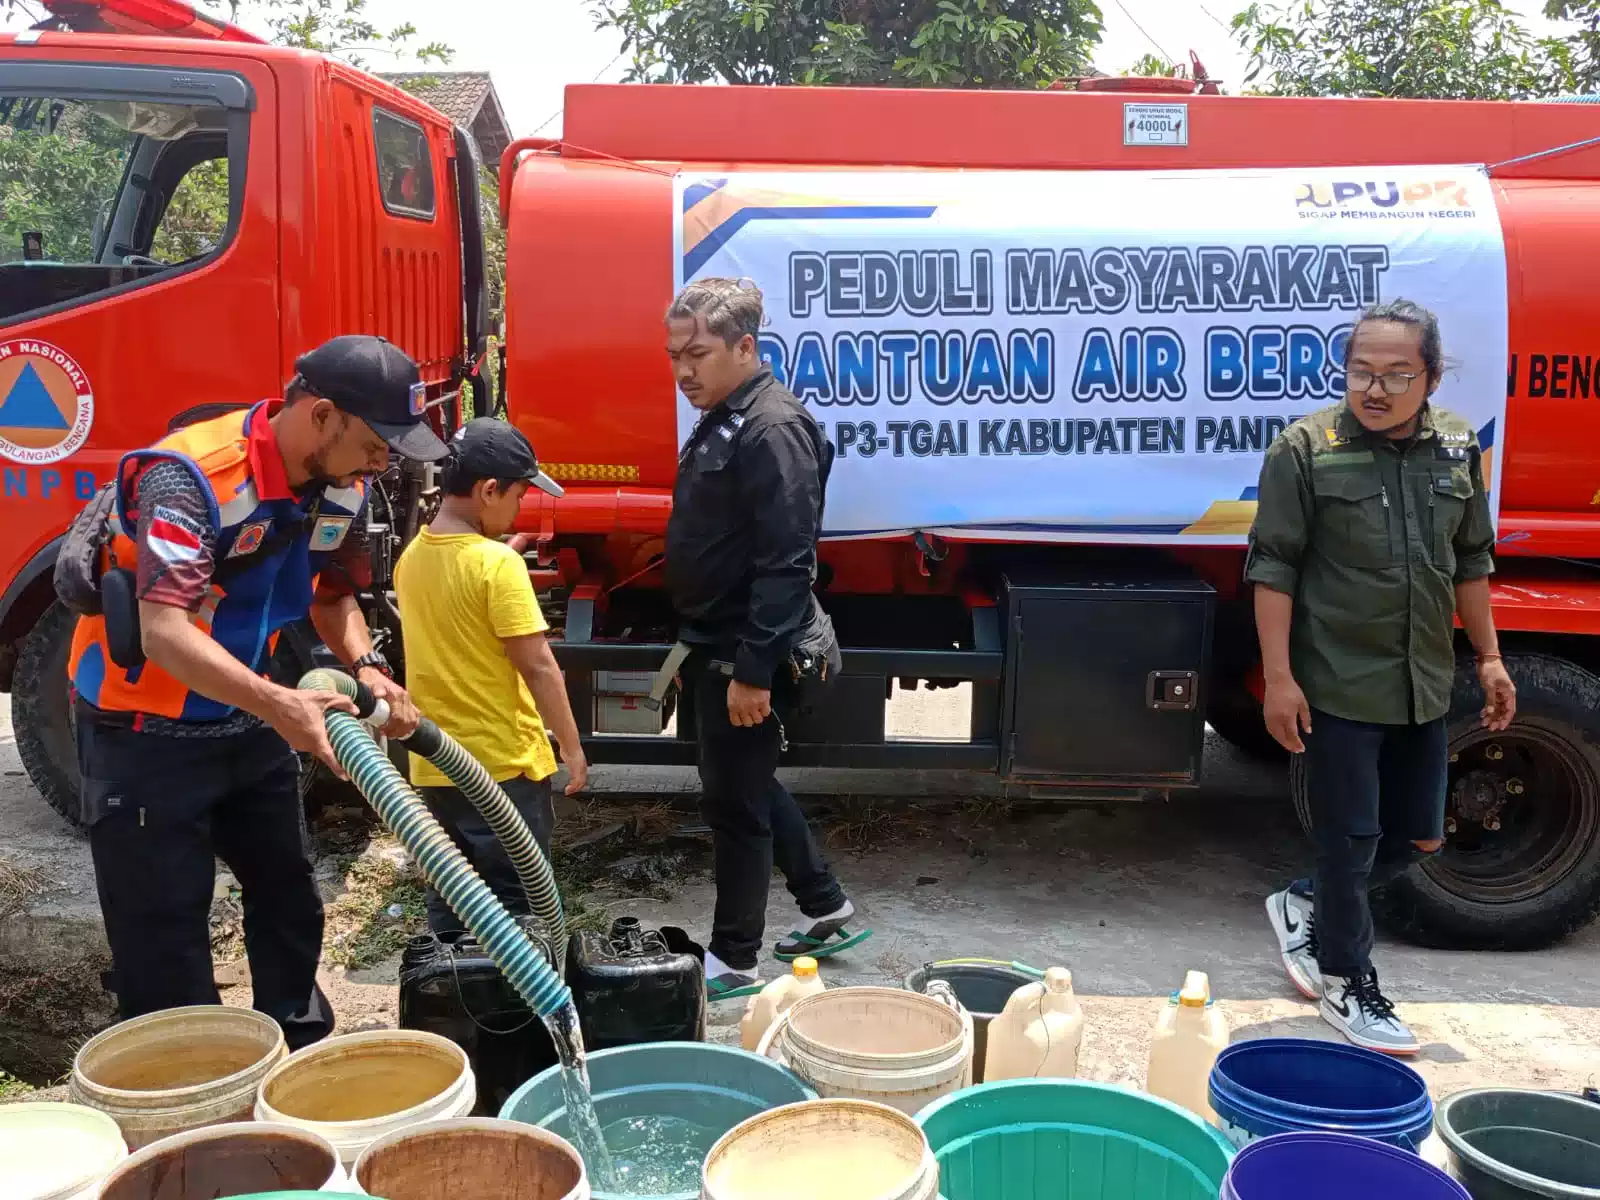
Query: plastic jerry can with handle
point(772, 1001)
point(1037, 1034)
point(1190, 1033)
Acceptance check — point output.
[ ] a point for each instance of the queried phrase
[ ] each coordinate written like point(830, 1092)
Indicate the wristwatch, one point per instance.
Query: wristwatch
point(376, 661)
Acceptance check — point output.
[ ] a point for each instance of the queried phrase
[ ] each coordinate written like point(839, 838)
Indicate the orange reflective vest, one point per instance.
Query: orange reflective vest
point(268, 556)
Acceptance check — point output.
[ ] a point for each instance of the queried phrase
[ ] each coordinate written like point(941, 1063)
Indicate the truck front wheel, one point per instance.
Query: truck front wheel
point(1520, 867)
point(41, 712)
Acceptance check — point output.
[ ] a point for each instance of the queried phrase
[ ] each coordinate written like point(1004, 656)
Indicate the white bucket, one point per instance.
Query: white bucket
point(177, 1069)
point(356, 1088)
point(471, 1157)
point(236, 1159)
point(56, 1151)
point(889, 1046)
point(839, 1149)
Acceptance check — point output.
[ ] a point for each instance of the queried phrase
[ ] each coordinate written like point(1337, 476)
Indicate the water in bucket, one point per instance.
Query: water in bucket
point(648, 1155)
point(586, 1132)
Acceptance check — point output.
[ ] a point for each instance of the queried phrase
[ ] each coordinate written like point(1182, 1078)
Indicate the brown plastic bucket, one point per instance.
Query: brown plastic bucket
point(177, 1069)
point(358, 1087)
point(472, 1156)
point(236, 1159)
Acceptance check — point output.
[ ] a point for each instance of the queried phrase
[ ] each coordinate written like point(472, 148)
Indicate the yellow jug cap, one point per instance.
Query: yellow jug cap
point(805, 968)
point(1196, 991)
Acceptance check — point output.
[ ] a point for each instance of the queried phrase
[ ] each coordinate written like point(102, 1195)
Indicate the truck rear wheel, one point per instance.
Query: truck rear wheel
point(1236, 717)
point(1520, 867)
point(41, 712)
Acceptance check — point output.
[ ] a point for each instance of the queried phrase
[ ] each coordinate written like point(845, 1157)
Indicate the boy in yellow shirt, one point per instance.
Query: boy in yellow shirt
point(477, 660)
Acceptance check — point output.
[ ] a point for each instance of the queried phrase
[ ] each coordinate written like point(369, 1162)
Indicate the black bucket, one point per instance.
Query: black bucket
point(1515, 1144)
point(983, 989)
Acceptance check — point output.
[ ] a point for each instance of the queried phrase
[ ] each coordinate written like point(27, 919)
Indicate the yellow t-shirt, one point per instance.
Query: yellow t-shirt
point(459, 594)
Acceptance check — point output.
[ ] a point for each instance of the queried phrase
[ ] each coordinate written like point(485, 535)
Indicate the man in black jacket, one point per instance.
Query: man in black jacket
point(740, 560)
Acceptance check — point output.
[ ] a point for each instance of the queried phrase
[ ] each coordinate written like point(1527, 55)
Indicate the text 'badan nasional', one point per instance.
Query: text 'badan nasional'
point(1019, 358)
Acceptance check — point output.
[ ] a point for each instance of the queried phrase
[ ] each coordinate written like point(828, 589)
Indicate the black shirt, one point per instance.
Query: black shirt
point(742, 539)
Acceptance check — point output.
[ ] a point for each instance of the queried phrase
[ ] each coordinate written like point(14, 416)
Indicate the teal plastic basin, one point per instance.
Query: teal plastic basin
point(714, 1087)
point(1061, 1139)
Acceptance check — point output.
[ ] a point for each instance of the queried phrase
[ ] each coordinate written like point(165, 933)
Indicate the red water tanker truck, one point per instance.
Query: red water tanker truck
point(1049, 335)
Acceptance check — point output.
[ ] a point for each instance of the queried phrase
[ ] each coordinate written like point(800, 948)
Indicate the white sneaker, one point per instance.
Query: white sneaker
point(1291, 919)
point(1357, 1009)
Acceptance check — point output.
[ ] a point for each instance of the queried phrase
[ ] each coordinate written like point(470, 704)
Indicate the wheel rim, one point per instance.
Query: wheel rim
point(1521, 811)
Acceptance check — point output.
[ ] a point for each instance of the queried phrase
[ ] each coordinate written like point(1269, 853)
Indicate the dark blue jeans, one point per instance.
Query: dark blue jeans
point(1374, 791)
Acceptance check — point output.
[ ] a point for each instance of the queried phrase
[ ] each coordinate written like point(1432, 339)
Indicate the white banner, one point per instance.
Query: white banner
point(1089, 356)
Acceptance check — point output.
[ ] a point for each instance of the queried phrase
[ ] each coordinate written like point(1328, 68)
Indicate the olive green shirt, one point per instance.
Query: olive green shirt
point(1371, 536)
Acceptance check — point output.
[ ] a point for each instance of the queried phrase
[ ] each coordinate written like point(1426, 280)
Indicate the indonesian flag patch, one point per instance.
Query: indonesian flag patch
point(173, 537)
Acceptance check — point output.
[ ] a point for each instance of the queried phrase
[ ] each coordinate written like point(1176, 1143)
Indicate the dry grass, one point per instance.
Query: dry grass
point(359, 931)
point(18, 886)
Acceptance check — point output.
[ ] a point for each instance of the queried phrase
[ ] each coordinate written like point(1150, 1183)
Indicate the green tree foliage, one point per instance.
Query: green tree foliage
point(59, 167)
point(1585, 43)
point(343, 29)
point(1428, 49)
point(1149, 65)
point(933, 43)
point(196, 216)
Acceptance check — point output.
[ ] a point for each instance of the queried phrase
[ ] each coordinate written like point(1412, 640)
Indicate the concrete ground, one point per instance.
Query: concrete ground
point(1128, 896)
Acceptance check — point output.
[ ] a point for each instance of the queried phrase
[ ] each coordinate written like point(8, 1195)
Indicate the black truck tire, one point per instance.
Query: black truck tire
point(1534, 877)
point(1236, 717)
point(41, 713)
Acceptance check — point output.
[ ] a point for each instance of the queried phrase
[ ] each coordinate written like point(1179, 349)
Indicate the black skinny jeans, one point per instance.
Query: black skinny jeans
point(1374, 790)
point(754, 822)
point(477, 842)
point(160, 811)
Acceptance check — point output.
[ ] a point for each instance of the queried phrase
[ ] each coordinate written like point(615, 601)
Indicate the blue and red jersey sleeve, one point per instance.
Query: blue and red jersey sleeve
point(177, 544)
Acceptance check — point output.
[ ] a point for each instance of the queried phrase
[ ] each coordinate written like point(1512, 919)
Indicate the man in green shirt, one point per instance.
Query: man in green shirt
point(1372, 533)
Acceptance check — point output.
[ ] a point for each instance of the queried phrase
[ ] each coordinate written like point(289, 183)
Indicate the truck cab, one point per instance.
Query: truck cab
point(183, 216)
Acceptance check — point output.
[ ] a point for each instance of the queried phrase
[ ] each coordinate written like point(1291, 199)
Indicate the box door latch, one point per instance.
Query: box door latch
point(1171, 691)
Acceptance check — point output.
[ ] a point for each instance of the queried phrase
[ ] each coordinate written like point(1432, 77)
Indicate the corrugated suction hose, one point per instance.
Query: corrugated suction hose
point(404, 812)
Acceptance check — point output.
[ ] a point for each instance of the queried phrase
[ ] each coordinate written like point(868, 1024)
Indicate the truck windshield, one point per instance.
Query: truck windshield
point(96, 193)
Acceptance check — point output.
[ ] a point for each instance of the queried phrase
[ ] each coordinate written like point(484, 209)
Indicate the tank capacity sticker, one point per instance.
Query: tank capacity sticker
point(1155, 124)
point(46, 404)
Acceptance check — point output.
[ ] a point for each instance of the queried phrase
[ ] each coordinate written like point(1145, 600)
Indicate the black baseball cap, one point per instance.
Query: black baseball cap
point(489, 448)
point(372, 378)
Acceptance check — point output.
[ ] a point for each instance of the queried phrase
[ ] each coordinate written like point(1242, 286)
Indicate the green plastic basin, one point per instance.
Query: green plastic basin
point(1064, 1139)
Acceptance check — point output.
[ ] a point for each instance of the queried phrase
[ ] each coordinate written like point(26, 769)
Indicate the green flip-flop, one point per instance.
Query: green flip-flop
point(806, 945)
point(721, 989)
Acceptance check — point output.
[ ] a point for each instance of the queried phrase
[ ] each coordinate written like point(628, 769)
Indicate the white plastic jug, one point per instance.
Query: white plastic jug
point(762, 1009)
point(1190, 1033)
point(1038, 1032)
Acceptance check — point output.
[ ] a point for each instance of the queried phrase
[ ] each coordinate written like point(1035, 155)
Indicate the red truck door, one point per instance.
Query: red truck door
point(138, 279)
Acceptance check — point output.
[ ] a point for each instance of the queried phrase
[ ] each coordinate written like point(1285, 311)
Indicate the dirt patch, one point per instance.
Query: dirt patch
point(46, 1015)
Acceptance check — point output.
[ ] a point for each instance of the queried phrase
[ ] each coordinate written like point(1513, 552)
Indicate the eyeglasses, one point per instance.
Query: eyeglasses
point(1395, 382)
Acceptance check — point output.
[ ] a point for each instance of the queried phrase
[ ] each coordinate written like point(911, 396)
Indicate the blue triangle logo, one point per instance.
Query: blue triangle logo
point(28, 405)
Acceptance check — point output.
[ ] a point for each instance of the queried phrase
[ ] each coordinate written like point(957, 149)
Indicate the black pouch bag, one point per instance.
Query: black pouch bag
point(815, 661)
point(77, 573)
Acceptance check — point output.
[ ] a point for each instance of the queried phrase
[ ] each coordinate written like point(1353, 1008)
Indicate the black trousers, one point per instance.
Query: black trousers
point(473, 837)
point(1374, 791)
point(160, 811)
point(754, 822)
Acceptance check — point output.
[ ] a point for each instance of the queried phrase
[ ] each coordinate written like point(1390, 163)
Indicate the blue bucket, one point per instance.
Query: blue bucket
point(1333, 1166)
point(1295, 1085)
